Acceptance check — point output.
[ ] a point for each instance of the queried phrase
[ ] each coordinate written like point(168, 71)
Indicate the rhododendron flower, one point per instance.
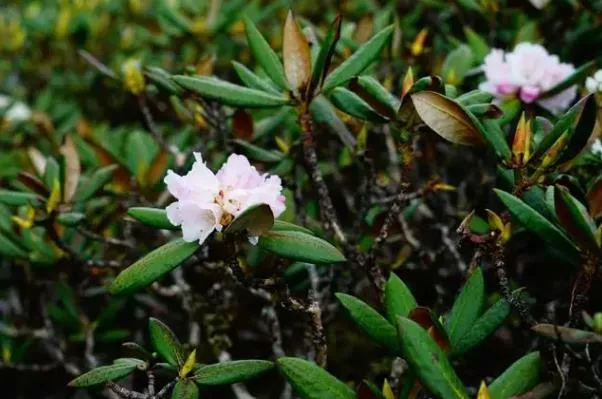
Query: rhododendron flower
point(13, 111)
point(208, 201)
point(527, 73)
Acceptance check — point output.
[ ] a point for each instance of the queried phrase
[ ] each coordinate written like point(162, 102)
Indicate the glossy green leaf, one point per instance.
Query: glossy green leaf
point(535, 222)
point(324, 58)
point(153, 266)
point(310, 381)
point(10, 248)
point(300, 246)
point(185, 389)
point(324, 112)
point(467, 307)
point(352, 104)
point(166, 343)
point(70, 219)
point(230, 372)
point(485, 325)
point(359, 61)
point(371, 322)
point(477, 43)
point(257, 220)
point(474, 97)
point(494, 136)
point(575, 219)
point(152, 217)
point(376, 95)
point(457, 63)
point(518, 378)
point(280, 225)
point(228, 93)
point(399, 300)
point(103, 374)
point(258, 153)
point(580, 135)
point(264, 55)
point(98, 179)
point(250, 79)
point(17, 198)
point(428, 361)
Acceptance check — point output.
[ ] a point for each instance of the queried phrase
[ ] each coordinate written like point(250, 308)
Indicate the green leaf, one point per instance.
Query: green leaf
point(131, 361)
point(324, 58)
point(251, 79)
point(297, 245)
point(264, 55)
point(103, 374)
point(479, 46)
point(98, 179)
point(467, 307)
point(17, 198)
point(474, 97)
point(280, 225)
point(324, 112)
point(152, 217)
point(536, 223)
point(376, 95)
point(258, 153)
point(518, 378)
point(359, 61)
point(161, 78)
point(494, 135)
point(231, 372)
point(486, 325)
point(371, 322)
point(566, 123)
point(313, 382)
point(228, 93)
point(399, 300)
point(428, 361)
point(575, 219)
point(580, 135)
point(185, 389)
point(457, 63)
point(257, 220)
point(10, 248)
point(70, 219)
point(166, 343)
point(153, 266)
point(352, 104)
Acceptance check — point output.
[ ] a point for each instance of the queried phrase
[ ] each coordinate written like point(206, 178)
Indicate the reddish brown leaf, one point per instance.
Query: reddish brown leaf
point(364, 28)
point(34, 184)
point(594, 199)
point(157, 168)
point(242, 125)
point(427, 320)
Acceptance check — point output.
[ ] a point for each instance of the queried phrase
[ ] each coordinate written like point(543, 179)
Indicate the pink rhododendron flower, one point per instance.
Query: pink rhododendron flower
point(526, 73)
point(208, 201)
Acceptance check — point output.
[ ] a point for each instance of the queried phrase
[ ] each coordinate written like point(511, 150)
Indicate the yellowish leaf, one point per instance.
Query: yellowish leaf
point(387, 391)
point(417, 46)
point(521, 147)
point(296, 54)
point(408, 82)
point(496, 223)
point(282, 145)
point(483, 392)
point(157, 168)
point(364, 28)
point(188, 364)
point(72, 169)
point(55, 196)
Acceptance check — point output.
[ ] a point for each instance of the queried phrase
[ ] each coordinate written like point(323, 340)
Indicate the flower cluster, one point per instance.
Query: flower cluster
point(528, 72)
point(594, 83)
point(208, 201)
point(13, 111)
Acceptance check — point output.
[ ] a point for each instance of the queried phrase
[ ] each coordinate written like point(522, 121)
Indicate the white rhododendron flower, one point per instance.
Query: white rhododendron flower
point(593, 84)
point(539, 4)
point(17, 111)
point(208, 201)
point(597, 148)
point(526, 73)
